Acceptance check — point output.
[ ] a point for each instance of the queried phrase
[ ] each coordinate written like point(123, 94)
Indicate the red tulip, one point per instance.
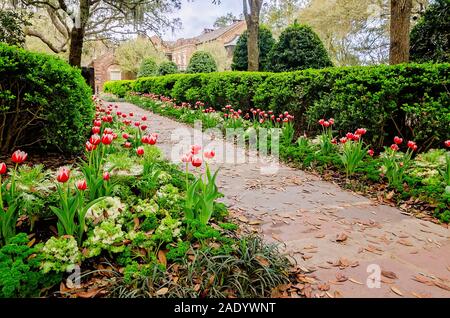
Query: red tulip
point(326, 123)
point(131, 114)
point(90, 147)
point(81, 185)
point(3, 168)
point(195, 149)
point(19, 156)
point(447, 143)
point(140, 151)
point(109, 119)
point(196, 162)
point(412, 145)
point(209, 154)
point(127, 144)
point(187, 158)
point(398, 140)
point(95, 140)
point(95, 130)
point(108, 131)
point(361, 131)
point(144, 118)
point(331, 120)
point(370, 152)
point(152, 140)
point(137, 124)
point(63, 175)
point(334, 141)
point(343, 140)
point(125, 136)
point(321, 122)
point(394, 147)
point(97, 123)
point(350, 136)
point(119, 114)
point(106, 176)
point(114, 136)
point(107, 139)
point(124, 115)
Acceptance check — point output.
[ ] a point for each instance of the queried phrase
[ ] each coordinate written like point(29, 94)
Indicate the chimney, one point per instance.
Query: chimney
point(206, 30)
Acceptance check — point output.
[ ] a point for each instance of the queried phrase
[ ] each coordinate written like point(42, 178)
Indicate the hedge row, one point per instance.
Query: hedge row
point(410, 100)
point(44, 102)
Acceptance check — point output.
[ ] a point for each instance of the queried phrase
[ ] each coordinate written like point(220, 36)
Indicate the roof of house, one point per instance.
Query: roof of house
point(214, 34)
point(206, 36)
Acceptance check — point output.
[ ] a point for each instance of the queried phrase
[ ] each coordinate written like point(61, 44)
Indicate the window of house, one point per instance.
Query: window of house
point(115, 75)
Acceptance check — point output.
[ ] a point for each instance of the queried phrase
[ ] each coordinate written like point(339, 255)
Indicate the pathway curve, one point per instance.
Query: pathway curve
point(341, 238)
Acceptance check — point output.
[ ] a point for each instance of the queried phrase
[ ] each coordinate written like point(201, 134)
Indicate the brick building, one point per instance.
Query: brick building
point(180, 51)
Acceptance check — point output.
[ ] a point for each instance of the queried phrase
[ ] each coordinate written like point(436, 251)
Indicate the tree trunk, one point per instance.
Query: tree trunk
point(252, 20)
point(77, 34)
point(253, 46)
point(399, 31)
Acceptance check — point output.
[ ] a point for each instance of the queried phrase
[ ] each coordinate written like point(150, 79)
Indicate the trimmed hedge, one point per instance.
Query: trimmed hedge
point(44, 103)
point(119, 88)
point(410, 100)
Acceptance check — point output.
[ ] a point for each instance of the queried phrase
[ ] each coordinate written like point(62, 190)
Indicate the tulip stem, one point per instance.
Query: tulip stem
point(1, 196)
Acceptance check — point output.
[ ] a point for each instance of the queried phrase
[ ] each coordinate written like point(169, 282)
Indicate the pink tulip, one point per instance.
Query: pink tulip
point(195, 149)
point(106, 176)
point(19, 156)
point(63, 175)
point(186, 158)
point(209, 154)
point(95, 140)
point(81, 185)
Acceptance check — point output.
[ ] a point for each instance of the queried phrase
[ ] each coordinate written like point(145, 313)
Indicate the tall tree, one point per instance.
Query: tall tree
point(277, 15)
point(252, 11)
point(225, 20)
point(81, 20)
point(399, 31)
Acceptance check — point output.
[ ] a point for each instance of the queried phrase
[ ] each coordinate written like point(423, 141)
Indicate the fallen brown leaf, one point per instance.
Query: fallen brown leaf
point(162, 257)
point(341, 277)
point(442, 285)
point(396, 290)
point(355, 281)
point(162, 291)
point(341, 237)
point(389, 274)
point(88, 294)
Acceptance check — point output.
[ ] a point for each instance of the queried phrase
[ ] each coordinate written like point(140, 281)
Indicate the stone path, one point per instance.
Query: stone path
point(341, 238)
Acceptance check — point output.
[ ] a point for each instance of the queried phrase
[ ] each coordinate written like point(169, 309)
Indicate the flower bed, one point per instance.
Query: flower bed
point(418, 183)
point(410, 100)
point(123, 222)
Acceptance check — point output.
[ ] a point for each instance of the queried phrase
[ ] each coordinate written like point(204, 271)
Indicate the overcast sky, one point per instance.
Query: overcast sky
point(200, 14)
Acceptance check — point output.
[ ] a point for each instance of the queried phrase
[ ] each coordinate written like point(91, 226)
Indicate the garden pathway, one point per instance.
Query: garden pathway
point(341, 238)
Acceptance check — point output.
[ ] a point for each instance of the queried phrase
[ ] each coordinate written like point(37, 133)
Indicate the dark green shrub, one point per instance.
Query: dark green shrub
point(20, 274)
point(118, 88)
point(148, 68)
point(430, 38)
point(167, 68)
point(298, 48)
point(44, 102)
point(410, 100)
point(201, 62)
point(240, 54)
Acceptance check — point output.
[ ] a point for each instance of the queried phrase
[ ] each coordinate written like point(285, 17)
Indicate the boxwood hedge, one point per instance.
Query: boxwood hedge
point(44, 103)
point(409, 100)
